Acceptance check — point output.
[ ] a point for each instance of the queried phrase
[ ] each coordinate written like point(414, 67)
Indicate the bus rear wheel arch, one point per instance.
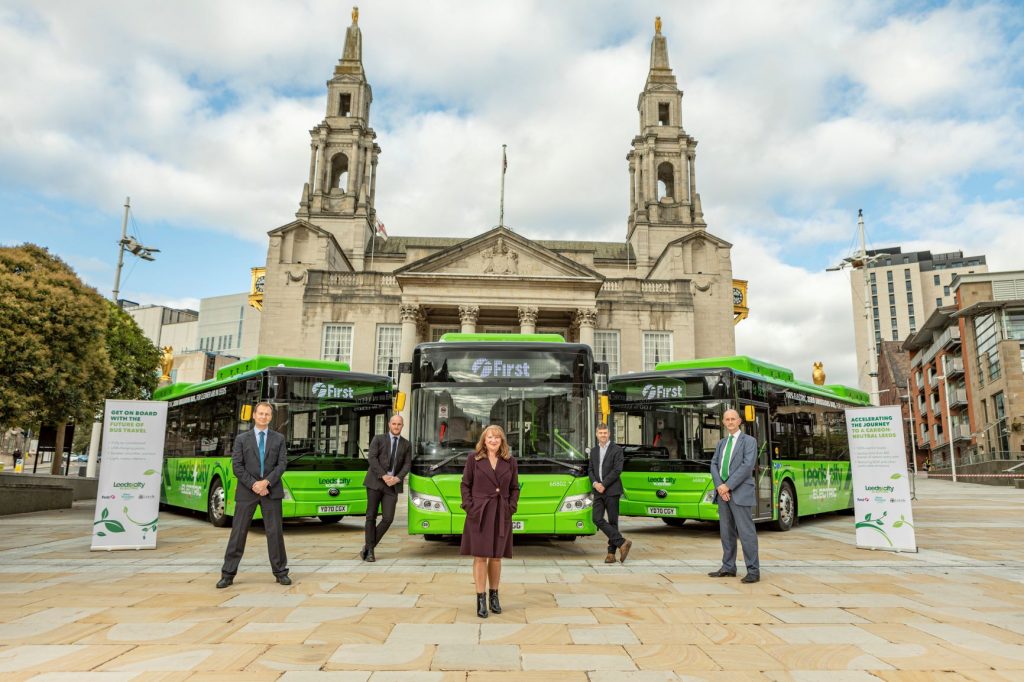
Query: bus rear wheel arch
point(328, 520)
point(675, 523)
point(217, 504)
point(787, 507)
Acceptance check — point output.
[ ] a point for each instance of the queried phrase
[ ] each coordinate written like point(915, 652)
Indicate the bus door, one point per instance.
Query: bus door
point(758, 428)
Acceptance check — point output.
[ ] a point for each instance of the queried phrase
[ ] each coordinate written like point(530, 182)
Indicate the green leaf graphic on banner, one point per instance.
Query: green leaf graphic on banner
point(873, 524)
point(895, 476)
point(104, 513)
point(113, 526)
point(149, 472)
point(101, 534)
point(867, 517)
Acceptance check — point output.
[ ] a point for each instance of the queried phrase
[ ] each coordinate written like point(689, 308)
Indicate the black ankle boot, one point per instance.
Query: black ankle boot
point(495, 604)
point(481, 604)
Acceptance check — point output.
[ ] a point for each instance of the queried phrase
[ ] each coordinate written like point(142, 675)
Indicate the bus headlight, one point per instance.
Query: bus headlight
point(427, 502)
point(709, 496)
point(577, 503)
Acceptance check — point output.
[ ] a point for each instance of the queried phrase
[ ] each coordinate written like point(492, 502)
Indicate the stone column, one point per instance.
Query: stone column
point(468, 315)
point(527, 319)
point(586, 319)
point(410, 313)
point(314, 151)
point(632, 186)
point(692, 162)
point(320, 154)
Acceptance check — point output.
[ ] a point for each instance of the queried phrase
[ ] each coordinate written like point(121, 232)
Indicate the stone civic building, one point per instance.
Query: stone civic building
point(336, 288)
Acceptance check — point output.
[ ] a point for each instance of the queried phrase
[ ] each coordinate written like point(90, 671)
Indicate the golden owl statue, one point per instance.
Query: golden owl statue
point(166, 363)
point(818, 374)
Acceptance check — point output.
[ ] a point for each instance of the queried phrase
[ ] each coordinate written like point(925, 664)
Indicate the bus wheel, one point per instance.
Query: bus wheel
point(787, 507)
point(326, 520)
point(216, 505)
point(675, 523)
point(432, 537)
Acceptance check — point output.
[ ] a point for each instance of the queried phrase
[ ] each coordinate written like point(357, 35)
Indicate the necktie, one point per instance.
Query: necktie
point(263, 449)
point(725, 459)
point(394, 455)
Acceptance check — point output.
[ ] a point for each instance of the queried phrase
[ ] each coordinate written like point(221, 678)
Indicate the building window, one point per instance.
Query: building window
point(437, 332)
point(945, 291)
point(878, 324)
point(498, 330)
point(874, 287)
point(892, 311)
point(906, 273)
point(938, 303)
point(874, 312)
point(895, 335)
point(888, 275)
point(986, 338)
point(389, 347)
point(893, 323)
point(891, 288)
point(663, 117)
point(337, 345)
point(892, 299)
point(874, 301)
point(936, 280)
point(344, 104)
point(1013, 323)
point(657, 348)
point(912, 321)
point(872, 278)
point(606, 349)
point(910, 297)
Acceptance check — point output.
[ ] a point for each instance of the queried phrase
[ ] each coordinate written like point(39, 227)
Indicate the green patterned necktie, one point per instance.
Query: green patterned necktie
point(725, 459)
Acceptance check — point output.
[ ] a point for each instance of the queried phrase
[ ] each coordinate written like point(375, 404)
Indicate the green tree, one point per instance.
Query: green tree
point(54, 363)
point(133, 356)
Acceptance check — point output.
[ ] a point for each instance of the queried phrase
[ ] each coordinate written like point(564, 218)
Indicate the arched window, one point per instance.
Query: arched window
point(339, 172)
point(666, 181)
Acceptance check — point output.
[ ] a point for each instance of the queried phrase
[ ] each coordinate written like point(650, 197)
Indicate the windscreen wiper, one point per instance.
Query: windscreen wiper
point(435, 467)
point(576, 468)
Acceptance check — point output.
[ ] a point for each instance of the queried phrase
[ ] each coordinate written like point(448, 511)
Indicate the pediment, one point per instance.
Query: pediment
point(696, 252)
point(499, 253)
point(300, 230)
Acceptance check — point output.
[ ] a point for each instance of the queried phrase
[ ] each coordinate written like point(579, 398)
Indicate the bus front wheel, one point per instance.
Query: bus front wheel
point(675, 523)
point(431, 537)
point(326, 520)
point(216, 505)
point(787, 507)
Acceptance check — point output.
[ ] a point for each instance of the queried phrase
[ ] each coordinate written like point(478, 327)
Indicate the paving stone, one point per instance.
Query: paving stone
point(476, 657)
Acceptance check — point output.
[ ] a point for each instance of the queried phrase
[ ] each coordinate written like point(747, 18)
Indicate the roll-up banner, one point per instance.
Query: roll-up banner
point(128, 496)
point(881, 491)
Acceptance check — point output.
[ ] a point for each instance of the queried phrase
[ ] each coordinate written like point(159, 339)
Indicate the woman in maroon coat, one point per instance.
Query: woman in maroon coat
point(490, 495)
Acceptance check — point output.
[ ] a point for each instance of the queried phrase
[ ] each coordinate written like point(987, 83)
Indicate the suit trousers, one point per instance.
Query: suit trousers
point(736, 520)
point(610, 527)
point(273, 527)
point(386, 500)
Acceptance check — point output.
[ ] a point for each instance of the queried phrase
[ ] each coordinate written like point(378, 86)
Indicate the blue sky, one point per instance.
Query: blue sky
point(804, 112)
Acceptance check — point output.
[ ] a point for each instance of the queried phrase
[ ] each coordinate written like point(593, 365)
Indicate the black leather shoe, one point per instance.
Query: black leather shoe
point(225, 581)
point(369, 556)
point(362, 553)
point(750, 578)
point(721, 574)
point(284, 580)
point(495, 604)
point(481, 604)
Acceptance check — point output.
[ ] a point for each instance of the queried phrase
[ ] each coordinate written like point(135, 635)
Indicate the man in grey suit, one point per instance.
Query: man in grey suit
point(389, 460)
point(732, 469)
point(258, 459)
point(605, 468)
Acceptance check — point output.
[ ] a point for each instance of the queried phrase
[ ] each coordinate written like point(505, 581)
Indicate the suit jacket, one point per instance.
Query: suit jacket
point(741, 469)
point(245, 463)
point(379, 460)
point(609, 475)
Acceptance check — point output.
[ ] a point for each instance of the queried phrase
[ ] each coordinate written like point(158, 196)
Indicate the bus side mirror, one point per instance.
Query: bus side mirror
point(245, 414)
point(399, 402)
point(606, 409)
point(748, 413)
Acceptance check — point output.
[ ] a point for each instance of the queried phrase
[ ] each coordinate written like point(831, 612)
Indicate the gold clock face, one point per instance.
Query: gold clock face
point(258, 286)
point(737, 296)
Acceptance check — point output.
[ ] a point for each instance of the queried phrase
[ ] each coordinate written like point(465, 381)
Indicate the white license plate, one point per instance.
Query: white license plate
point(518, 526)
point(662, 511)
point(332, 509)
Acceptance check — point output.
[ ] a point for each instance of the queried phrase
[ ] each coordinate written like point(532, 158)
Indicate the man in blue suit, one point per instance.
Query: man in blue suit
point(732, 469)
point(259, 459)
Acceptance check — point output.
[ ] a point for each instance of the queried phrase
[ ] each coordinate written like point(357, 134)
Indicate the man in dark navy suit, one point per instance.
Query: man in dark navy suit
point(258, 460)
point(388, 461)
point(605, 467)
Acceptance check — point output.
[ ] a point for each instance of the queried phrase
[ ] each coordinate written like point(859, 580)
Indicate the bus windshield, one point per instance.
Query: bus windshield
point(541, 422)
point(678, 436)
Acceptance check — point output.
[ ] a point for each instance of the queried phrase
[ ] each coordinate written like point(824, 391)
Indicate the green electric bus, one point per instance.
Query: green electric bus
point(540, 390)
point(327, 414)
point(670, 420)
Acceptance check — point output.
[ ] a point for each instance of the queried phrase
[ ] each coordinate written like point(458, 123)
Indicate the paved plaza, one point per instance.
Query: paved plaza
point(824, 610)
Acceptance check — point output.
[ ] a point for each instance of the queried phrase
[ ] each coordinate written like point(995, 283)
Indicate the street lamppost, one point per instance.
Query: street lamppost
point(860, 261)
point(134, 247)
point(949, 420)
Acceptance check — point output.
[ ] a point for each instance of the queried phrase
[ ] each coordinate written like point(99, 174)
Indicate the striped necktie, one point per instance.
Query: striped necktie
point(726, 458)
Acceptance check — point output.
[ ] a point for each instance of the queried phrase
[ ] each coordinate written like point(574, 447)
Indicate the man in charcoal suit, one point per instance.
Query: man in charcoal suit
point(389, 460)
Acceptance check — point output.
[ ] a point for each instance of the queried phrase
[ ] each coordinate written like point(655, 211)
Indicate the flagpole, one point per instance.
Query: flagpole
point(501, 205)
